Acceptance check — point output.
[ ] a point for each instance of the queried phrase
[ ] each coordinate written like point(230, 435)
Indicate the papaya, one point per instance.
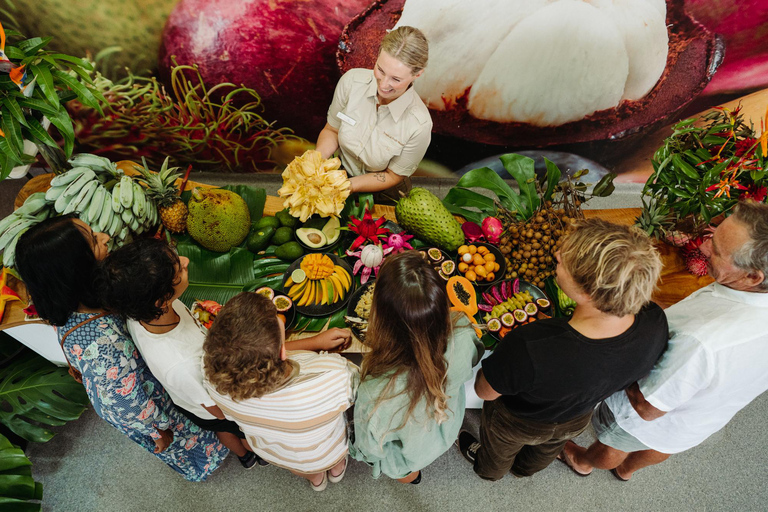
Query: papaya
point(463, 297)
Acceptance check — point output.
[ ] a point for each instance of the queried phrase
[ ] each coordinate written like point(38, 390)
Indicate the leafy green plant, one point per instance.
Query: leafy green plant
point(702, 170)
point(36, 395)
point(18, 490)
point(49, 80)
point(534, 191)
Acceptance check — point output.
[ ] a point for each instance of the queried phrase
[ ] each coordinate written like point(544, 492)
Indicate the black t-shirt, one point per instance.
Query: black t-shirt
point(548, 372)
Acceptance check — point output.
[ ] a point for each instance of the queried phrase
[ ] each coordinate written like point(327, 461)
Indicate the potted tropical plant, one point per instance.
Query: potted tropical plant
point(34, 85)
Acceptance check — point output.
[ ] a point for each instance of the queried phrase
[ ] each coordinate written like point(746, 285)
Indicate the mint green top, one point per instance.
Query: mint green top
point(397, 453)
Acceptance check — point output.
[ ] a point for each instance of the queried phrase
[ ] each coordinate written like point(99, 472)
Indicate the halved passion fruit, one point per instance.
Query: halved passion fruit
point(266, 291)
point(282, 303)
point(694, 54)
point(443, 274)
point(542, 303)
point(507, 319)
point(435, 254)
point(531, 309)
point(520, 315)
point(448, 267)
point(494, 325)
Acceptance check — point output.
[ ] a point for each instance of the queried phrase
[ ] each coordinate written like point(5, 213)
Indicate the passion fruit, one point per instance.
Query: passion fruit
point(267, 292)
point(435, 254)
point(282, 303)
point(507, 319)
point(448, 267)
point(531, 309)
point(494, 325)
point(520, 315)
point(694, 55)
point(542, 303)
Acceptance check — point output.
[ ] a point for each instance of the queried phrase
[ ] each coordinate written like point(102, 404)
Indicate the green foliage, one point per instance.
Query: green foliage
point(57, 79)
point(35, 395)
point(474, 206)
point(702, 170)
point(18, 490)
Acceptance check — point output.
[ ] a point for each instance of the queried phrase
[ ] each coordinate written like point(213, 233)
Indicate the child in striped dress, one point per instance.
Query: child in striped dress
point(289, 405)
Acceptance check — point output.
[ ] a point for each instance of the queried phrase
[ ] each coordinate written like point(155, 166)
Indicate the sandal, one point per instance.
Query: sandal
point(322, 485)
point(337, 479)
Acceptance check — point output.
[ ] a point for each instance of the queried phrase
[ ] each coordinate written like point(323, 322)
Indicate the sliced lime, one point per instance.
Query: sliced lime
point(298, 276)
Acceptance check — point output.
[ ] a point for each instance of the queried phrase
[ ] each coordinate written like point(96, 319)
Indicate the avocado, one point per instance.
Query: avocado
point(282, 235)
point(315, 222)
point(311, 237)
point(289, 251)
point(331, 230)
point(263, 222)
point(286, 219)
point(259, 239)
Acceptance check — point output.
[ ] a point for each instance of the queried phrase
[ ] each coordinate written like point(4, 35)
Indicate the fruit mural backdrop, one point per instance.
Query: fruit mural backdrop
point(286, 51)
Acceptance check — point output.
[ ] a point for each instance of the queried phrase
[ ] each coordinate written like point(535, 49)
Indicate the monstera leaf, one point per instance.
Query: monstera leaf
point(18, 490)
point(35, 394)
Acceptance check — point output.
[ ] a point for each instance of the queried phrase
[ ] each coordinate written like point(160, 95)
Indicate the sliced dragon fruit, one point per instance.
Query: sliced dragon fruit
point(497, 294)
point(488, 298)
point(485, 307)
point(516, 286)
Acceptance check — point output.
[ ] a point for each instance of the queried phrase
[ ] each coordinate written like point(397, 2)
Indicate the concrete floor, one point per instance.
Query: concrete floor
point(89, 466)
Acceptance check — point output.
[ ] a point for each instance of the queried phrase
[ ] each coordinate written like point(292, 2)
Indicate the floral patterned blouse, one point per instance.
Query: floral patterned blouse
point(125, 394)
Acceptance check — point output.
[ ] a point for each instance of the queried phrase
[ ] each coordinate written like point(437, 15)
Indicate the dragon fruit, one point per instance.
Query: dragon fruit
point(492, 229)
point(472, 232)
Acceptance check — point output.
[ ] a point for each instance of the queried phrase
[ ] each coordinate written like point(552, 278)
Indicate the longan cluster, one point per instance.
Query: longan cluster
point(530, 246)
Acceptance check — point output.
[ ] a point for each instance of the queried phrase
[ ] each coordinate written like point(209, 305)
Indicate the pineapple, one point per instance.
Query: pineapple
point(654, 219)
point(162, 189)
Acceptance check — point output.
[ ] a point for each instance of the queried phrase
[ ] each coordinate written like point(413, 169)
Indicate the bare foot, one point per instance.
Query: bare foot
point(570, 450)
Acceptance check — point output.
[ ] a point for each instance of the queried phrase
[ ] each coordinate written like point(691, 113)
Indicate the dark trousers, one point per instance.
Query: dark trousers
point(523, 446)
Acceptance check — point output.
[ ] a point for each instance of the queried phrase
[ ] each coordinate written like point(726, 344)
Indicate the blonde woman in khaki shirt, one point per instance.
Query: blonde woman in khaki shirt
point(377, 121)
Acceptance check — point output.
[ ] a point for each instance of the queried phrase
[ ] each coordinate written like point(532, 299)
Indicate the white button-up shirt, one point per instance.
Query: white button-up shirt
point(393, 136)
point(715, 364)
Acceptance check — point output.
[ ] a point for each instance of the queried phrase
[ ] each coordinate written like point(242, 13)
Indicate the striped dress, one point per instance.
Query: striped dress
point(300, 426)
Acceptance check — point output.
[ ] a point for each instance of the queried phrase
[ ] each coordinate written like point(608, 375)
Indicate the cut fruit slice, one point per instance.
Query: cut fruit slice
point(332, 230)
point(448, 267)
point(531, 309)
point(494, 325)
point(282, 303)
point(266, 291)
point(507, 319)
point(298, 276)
point(543, 303)
point(520, 315)
point(435, 254)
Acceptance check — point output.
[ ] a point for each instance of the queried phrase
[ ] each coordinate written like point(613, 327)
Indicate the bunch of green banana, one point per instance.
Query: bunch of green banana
point(35, 209)
point(131, 205)
point(97, 164)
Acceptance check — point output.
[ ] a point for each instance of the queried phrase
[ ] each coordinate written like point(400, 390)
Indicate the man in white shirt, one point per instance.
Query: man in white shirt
point(715, 364)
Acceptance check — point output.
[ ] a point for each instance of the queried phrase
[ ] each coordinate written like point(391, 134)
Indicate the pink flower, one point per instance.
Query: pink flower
point(112, 373)
point(129, 383)
point(77, 350)
point(148, 411)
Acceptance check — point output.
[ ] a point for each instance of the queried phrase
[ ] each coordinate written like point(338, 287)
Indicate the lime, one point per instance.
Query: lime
point(298, 276)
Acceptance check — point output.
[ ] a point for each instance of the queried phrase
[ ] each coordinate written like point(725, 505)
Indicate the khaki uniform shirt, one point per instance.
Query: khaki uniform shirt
point(394, 136)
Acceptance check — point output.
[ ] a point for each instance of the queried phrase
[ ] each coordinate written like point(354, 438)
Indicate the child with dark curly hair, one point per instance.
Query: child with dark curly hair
point(289, 404)
point(143, 281)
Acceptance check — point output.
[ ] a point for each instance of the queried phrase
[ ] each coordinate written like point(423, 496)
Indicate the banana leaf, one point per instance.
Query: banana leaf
point(213, 275)
point(37, 394)
point(18, 490)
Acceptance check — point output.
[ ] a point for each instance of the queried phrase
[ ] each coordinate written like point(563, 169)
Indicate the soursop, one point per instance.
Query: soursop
point(218, 219)
point(424, 215)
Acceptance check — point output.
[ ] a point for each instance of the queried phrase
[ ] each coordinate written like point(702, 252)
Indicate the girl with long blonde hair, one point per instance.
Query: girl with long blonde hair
point(410, 403)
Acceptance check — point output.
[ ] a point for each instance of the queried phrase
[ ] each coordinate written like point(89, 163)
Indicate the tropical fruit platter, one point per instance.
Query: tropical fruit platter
point(316, 251)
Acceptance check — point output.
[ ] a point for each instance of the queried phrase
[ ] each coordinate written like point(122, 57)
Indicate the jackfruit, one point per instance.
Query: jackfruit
point(218, 219)
point(424, 215)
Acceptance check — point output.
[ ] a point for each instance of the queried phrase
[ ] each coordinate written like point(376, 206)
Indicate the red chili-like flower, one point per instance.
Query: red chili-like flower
point(754, 192)
point(745, 147)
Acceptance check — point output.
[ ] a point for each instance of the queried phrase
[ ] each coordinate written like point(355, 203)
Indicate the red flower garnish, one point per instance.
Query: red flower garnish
point(367, 229)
